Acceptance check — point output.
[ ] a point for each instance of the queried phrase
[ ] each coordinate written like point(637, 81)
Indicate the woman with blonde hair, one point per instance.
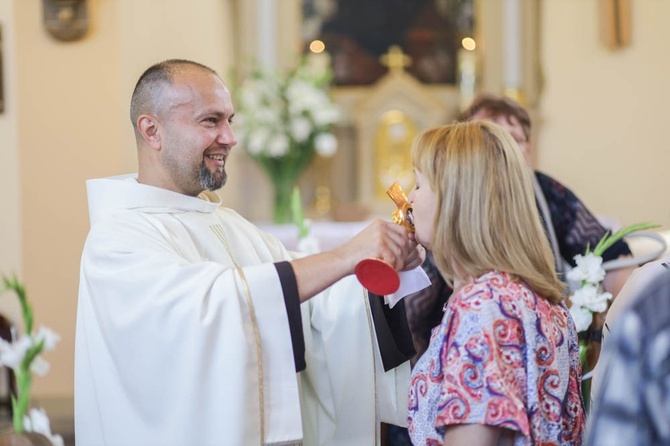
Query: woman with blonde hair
point(503, 365)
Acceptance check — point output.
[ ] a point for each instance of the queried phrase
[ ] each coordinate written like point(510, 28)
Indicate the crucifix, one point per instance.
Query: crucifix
point(615, 23)
point(395, 59)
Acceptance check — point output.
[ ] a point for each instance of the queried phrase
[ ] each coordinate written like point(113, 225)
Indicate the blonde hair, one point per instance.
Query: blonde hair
point(486, 218)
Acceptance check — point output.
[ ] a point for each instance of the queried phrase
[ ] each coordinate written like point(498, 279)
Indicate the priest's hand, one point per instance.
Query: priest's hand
point(381, 239)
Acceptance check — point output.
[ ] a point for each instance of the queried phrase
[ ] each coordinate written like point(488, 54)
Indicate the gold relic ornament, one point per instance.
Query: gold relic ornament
point(375, 275)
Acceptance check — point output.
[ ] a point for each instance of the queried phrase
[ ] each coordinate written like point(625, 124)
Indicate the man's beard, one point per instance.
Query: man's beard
point(212, 180)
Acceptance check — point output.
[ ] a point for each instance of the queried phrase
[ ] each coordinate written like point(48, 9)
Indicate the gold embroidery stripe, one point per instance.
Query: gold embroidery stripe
point(218, 231)
point(368, 312)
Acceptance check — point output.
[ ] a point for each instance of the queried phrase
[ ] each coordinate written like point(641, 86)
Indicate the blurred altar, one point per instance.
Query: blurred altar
point(397, 70)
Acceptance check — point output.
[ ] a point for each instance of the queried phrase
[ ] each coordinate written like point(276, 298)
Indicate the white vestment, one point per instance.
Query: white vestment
point(166, 350)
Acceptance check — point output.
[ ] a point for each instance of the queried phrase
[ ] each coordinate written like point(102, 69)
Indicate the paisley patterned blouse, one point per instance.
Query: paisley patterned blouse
point(502, 356)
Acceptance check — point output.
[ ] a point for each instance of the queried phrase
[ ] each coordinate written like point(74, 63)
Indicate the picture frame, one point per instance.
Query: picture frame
point(2, 77)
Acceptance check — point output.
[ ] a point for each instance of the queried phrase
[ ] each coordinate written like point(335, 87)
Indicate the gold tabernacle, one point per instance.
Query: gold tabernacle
point(402, 215)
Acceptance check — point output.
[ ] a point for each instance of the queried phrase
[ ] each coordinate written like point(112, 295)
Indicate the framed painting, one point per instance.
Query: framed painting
point(356, 34)
point(2, 78)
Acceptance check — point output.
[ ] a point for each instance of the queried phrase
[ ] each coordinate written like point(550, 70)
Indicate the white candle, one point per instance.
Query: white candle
point(512, 44)
point(267, 32)
point(467, 76)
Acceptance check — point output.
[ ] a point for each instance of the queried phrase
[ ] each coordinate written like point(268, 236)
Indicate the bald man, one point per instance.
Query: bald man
point(192, 324)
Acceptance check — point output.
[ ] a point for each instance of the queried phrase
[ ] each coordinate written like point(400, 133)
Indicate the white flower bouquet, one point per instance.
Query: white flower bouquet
point(590, 298)
point(282, 121)
point(22, 355)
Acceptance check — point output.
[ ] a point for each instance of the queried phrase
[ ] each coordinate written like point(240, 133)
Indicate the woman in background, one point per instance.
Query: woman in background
point(570, 226)
point(503, 365)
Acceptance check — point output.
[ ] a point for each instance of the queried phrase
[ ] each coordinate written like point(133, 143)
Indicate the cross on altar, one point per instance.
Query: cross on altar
point(395, 59)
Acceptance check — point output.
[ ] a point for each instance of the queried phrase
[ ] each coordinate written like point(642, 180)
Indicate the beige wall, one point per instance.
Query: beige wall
point(10, 194)
point(71, 124)
point(68, 130)
point(605, 114)
point(67, 122)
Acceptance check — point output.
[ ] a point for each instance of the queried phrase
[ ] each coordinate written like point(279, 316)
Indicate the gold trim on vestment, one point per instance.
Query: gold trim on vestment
point(221, 235)
point(368, 311)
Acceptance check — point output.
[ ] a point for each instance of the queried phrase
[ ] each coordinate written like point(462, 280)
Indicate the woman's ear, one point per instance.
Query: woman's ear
point(147, 126)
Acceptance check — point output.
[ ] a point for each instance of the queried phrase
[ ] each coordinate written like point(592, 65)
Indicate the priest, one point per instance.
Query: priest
point(196, 328)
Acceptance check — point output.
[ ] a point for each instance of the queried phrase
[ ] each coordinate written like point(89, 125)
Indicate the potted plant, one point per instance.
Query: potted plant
point(22, 355)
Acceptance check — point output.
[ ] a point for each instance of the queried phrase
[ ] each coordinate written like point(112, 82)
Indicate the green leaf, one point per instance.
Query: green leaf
point(583, 350)
point(608, 240)
point(14, 284)
point(23, 374)
point(298, 215)
point(31, 354)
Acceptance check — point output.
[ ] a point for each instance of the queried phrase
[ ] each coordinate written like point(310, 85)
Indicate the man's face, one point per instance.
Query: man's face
point(513, 127)
point(196, 133)
point(424, 206)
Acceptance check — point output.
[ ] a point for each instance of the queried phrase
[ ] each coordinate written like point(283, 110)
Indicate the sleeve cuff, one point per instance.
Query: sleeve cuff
point(289, 287)
point(392, 330)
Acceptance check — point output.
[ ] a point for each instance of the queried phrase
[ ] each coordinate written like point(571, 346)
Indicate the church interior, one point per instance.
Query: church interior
point(594, 81)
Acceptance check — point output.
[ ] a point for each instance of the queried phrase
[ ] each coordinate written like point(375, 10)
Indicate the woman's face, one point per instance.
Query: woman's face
point(513, 127)
point(424, 206)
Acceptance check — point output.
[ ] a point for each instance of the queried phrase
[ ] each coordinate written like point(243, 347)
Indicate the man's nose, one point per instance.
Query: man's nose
point(227, 135)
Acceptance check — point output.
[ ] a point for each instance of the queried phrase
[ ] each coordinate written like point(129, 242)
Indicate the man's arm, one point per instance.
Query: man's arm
point(613, 282)
point(615, 279)
point(380, 240)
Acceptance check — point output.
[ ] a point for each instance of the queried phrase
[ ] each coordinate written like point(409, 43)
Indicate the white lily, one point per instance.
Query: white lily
point(589, 273)
point(40, 366)
point(23, 356)
point(582, 317)
point(325, 144)
point(589, 269)
point(278, 146)
point(12, 353)
point(285, 119)
point(257, 141)
point(326, 116)
point(49, 336)
point(36, 420)
point(300, 128)
point(590, 297)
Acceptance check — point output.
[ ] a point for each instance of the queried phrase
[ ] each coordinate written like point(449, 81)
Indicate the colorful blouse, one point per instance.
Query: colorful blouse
point(504, 357)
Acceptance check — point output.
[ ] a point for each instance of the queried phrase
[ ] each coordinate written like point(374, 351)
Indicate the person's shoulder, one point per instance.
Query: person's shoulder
point(646, 311)
point(635, 284)
point(497, 280)
point(232, 217)
point(116, 227)
point(119, 219)
point(652, 302)
point(486, 287)
point(545, 178)
point(550, 184)
point(230, 213)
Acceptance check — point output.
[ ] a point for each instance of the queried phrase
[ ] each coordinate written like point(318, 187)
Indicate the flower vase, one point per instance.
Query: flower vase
point(282, 199)
point(24, 439)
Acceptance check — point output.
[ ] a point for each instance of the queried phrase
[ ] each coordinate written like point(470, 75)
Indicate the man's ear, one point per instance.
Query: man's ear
point(147, 126)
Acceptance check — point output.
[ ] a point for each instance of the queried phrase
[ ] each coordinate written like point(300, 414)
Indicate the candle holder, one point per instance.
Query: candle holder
point(376, 275)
